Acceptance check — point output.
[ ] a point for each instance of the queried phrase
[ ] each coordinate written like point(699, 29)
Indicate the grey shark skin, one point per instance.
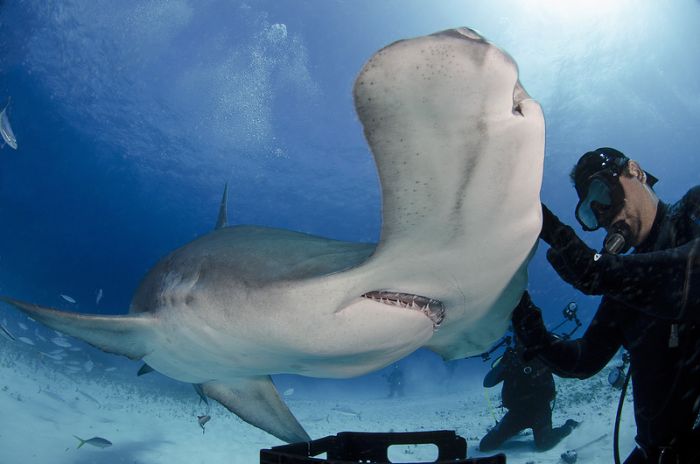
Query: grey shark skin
point(459, 147)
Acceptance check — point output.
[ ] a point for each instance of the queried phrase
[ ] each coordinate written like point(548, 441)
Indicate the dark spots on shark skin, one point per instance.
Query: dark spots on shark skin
point(189, 299)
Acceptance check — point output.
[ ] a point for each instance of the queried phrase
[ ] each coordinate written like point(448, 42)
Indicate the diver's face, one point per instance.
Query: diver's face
point(639, 206)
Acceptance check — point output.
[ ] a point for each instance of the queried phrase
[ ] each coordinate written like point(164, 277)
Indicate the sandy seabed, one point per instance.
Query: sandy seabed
point(45, 401)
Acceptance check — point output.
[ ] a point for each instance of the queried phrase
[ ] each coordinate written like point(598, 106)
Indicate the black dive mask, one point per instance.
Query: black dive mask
point(601, 199)
point(597, 183)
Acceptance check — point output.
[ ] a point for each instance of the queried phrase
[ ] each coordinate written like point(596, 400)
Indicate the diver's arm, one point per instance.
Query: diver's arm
point(664, 283)
point(495, 375)
point(579, 358)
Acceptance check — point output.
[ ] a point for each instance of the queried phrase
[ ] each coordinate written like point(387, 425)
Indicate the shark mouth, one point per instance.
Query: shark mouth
point(431, 307)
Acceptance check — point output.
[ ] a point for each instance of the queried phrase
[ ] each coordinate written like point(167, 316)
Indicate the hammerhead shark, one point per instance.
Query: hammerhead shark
point(459, 147)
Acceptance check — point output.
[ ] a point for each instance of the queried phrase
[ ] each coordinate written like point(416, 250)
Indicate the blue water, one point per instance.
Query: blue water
point(131, 116)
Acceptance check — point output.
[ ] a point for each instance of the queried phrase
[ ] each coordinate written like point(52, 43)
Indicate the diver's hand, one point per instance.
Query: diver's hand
point(554, 232)
point(529, 327)
point(576, 262)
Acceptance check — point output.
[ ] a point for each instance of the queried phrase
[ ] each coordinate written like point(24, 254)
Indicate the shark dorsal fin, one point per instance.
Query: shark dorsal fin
point(222, 220)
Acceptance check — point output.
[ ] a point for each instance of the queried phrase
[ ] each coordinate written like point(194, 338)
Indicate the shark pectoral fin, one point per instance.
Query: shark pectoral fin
point(125, 335)
point(255, 400)
point(145, 369)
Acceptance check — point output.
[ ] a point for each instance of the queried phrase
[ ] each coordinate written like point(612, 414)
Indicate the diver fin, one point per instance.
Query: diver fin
point(145, 369)
point(255, 400)
point(125, 335)
point(222, 220)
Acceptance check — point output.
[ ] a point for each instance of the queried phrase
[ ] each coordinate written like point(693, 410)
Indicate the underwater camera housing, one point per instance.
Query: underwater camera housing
point(372, 448)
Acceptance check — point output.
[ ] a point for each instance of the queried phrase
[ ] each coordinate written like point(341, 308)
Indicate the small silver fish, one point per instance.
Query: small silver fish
point(91, 398)
point(94, 441)
point(68, 298)
point(99, 296)
point(55, 357)
point(202, 420)
point(62, 342)
point(38, 335)
point(88, 365)
point(25, 340)
point(346, 412)
point(6, 130)
point(6, 333)
point(22, 326)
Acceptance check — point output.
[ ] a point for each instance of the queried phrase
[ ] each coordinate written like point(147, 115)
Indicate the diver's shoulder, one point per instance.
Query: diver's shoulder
point(691, 200)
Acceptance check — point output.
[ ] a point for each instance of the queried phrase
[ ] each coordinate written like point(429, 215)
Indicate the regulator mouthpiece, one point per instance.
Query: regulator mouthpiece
point(618, 240)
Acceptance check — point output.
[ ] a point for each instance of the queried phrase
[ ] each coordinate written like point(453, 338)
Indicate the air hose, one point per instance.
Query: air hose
point(616, 432)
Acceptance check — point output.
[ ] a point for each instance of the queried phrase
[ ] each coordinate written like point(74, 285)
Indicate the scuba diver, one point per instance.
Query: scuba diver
point(528, 392)
point(650, 304)
point(395, 381)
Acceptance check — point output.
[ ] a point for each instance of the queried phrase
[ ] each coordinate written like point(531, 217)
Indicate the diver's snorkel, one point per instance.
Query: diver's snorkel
point(619, 239)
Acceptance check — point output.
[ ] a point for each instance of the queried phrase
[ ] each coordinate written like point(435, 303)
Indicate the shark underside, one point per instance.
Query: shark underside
point(459, 147)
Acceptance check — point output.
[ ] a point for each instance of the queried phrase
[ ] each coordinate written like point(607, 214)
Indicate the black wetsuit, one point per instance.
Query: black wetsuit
point(527, 393)
point(651, 307)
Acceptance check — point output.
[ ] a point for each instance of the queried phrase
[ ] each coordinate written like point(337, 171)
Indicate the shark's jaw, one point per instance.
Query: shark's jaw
point(432, 308)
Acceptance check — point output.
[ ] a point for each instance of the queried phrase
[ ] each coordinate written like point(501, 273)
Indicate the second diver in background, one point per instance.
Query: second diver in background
point(528, 392)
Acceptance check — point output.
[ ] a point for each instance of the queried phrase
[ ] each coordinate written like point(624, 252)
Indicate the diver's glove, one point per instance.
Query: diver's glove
point(578, 264)
point(574, 261)
point(552, 227)
point(529, 327)
point(554, 232)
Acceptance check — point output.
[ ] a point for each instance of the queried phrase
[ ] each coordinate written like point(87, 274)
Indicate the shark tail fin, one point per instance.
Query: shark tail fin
point(255, 400)
point(222, 220)
point(82, 442)
point(126, 335)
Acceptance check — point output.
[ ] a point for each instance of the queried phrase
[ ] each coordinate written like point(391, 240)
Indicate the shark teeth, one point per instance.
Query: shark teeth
point(431, 307)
